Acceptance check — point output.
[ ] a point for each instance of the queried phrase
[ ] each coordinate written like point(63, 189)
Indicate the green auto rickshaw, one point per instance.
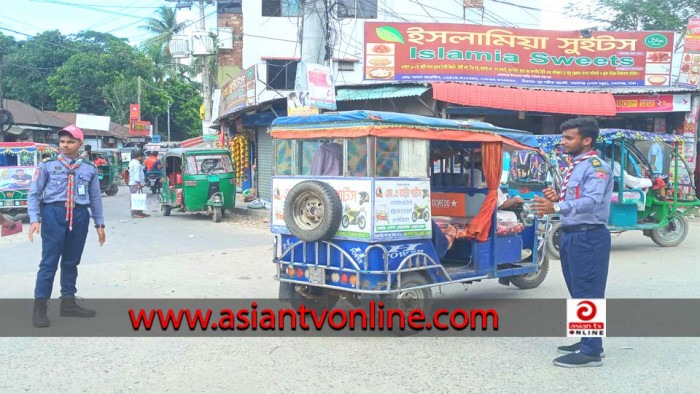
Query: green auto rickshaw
point(108, 171)
point(198, 180)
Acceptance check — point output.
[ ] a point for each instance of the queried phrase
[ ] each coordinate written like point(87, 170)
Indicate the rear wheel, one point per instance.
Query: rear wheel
point(217, 214)
point(530, 281)
point(671, 234)
point(166, 209)
point(112, 190)
point(554, 240)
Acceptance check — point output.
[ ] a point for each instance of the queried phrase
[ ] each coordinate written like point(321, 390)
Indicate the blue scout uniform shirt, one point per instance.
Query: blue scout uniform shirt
point(588, 193)
point(51, 180)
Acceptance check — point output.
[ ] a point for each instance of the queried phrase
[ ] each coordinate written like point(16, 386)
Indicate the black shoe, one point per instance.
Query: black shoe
point(577, 360)
point(69, 308)
point(39, 317)
point(574, 348)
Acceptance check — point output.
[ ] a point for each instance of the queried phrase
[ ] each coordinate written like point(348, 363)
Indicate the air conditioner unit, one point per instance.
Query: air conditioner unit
point(179, 46)
point(202, 43)
point(225, 38)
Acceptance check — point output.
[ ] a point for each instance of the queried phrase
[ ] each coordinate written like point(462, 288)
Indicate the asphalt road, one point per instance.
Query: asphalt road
point(190, 256)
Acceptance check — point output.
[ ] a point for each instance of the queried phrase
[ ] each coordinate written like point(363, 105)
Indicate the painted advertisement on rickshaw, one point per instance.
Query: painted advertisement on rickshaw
point(402, 208)
point(356, 205)
point(16, 178)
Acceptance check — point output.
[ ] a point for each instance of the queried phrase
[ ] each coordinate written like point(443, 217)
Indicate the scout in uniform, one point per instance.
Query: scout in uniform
point(69, 185)
point(584, 207)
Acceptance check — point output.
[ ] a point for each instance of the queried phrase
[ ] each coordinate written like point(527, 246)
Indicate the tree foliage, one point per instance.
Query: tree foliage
point(96, 73)
point(637, 14)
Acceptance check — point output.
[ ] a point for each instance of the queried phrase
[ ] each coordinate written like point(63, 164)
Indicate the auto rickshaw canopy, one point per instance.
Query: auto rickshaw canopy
point(352, 124)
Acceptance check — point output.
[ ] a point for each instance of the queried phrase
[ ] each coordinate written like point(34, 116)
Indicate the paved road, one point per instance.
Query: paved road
point(190, 256)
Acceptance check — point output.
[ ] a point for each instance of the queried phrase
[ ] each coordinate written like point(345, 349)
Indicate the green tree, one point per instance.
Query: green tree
point(186, 99)
point(637, 14)
point(164, 26)
point(31, 63)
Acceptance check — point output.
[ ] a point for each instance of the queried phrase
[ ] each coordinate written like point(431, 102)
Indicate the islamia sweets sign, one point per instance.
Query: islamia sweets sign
point(475, 53)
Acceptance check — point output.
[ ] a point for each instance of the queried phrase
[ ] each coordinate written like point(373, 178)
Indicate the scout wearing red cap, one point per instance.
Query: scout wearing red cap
point(74, 131)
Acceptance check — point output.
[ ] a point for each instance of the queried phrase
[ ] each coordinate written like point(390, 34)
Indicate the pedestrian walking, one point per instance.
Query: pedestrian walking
point(584, 206)
point(69, 185)
point(136, 180)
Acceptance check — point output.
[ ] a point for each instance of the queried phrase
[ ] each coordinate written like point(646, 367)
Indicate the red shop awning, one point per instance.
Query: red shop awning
point(517, 99)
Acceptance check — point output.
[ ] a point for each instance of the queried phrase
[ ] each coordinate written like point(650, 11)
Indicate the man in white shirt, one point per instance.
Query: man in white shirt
point(136, 180)
point(629, 181)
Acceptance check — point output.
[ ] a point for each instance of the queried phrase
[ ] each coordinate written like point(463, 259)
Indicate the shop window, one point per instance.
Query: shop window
point(229, 7)
point(281, 8)
point(283, 157)
point(363, 9)
point(344, 65)
point(387, 157)
point(357, 156)
point(281, 73)
point(414, 158)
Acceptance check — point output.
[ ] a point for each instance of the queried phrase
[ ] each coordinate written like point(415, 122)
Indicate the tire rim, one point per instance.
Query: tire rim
point(308, 211)
point(668, 235)
point(410, 299)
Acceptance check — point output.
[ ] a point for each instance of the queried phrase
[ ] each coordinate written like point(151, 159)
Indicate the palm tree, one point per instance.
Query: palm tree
point(164, 26)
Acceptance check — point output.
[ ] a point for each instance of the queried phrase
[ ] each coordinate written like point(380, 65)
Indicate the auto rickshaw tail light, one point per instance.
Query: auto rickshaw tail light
point(300, 272)
point(353, 279)
point(344, 278)
point(290, 271)
point(190, 183)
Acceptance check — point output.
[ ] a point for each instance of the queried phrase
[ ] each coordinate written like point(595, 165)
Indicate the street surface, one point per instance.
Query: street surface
point(190, 256)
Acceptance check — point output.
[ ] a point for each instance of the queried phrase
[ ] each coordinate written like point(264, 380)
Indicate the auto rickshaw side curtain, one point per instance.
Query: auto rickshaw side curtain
point(492, 153)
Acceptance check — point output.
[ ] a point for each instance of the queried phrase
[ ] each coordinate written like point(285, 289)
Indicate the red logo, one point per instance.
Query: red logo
point(586, 310)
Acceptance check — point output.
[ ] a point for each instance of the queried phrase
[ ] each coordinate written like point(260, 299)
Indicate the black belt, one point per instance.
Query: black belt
point(63, 204)
point(581, 227)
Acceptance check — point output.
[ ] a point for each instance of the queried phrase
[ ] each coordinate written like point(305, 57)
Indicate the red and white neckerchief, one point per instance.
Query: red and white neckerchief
point(570, 169)
point(70, 198)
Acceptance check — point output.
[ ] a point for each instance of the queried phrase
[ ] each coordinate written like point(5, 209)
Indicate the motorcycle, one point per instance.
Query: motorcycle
point(420, 211)
point(354, 216)
point(153, 178)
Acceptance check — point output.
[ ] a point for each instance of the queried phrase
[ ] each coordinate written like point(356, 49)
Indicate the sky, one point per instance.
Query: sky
point(123, 17)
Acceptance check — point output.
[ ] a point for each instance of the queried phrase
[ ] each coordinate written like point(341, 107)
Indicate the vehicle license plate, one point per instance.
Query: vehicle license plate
point(317, 275)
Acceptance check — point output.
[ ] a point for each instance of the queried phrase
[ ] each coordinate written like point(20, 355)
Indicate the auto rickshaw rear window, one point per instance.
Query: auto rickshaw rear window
point(323, 157)
point(283, 157)
point(208, 164)
point(357, 156)
point(387, 157)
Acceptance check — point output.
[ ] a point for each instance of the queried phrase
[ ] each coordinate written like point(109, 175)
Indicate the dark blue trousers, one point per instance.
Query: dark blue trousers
point(60, 244)
point(585, 257)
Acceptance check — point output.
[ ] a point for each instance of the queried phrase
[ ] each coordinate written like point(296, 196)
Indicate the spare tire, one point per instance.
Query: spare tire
point(312, 211)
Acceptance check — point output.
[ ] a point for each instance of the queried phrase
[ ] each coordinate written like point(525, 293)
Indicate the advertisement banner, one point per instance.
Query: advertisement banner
point(321, 86)
point(403, 208)
point(298, 104)
point(208, 133)
point(475, 53)
point(239, 92)
point(690, 62)
point(653, 103)
point(139, 127)
point(355, 197)
point(134, 112)
point(14, 178)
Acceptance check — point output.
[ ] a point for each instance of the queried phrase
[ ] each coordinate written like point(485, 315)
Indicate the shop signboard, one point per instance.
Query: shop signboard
point(653, 103)
point(139, 127)
point(134, 112)
point(239, 92)
point(489, 54)
point(690, 62)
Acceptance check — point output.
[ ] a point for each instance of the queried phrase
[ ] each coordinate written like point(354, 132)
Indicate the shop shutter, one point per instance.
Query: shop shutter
point(264, 148)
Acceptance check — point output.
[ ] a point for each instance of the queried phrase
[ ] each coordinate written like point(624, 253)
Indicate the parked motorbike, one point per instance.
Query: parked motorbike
point(153, 179)
point(354, 216)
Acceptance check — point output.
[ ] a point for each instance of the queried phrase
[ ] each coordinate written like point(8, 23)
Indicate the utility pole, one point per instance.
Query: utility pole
point(138, 94)
point(169, 119)
point(205, 68)
point(313, 40)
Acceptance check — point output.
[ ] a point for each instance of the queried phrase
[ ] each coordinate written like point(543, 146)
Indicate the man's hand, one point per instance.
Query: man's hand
point(34, 228)
point(138, 186)
point(513, 202)
point(101, 235)
point(550, 194)
point(542, 206)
